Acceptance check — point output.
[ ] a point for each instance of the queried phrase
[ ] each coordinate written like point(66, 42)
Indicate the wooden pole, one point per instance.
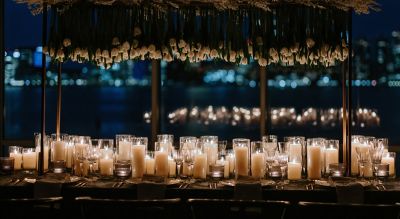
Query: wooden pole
point(349, 93)
point(59, 86)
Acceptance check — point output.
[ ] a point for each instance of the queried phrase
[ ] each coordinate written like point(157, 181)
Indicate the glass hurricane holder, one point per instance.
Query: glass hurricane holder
point(6, 165)
point(270, 143)
point(58, 152)
point(297, 148)
point(230, 157)
point(315, 157)
point(106, 162)
point(241, 147)
point(257, 160)
point(200, 164)
point(46, 146)
point(331, 154)
point(123, 162)
point(69, 151)
point(29, 160)
point(210, 148)
point(161, 160)
point(139, 148)
point(283, 157)
point(16, 153)
point(337, 170)
point(356, 141)
point(166, 141)
point(294, 167)
point(81, 151)
point(187, 147)
point(150, 169)
point(222, 148)
point(178, 158)
point(376, 152)
point(384, 142)
point(389, 158)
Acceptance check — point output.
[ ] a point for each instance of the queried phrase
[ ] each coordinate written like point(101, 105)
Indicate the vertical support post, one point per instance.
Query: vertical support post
point(59, 86)
point(43, 105)
point(2, 85)
point(263, 100)
point(344, 115)
point(155, 100)
point(350, 85)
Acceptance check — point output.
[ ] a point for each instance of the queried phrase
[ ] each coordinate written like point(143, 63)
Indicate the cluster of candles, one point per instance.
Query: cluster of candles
point(280, 117)
point(294, 158)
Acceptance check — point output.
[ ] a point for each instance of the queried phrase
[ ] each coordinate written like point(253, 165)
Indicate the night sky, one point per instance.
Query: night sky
point(24, 30)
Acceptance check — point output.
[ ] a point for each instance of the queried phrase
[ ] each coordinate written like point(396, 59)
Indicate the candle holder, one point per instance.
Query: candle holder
point(139, 148)
point(106, 163)
point(210, 148)
point(123, 163)
point(230, 157)
point(16, 153)
point(199, 162)
point(257, 160)
point(357, 141)
point(46, 148)
point(241, 147)
point(80, 154)
point(29, 160)
point(6, 165)
point(166, 141)
point(337, 170)
point(294, 167)
point(58, 152)
point(69, 152)
point(161, 160)
point(187, 147)
point(331, 155)
point(270, 143)
point(297, 148)
point(390, 158)
point(315, 157)
point(150, 170)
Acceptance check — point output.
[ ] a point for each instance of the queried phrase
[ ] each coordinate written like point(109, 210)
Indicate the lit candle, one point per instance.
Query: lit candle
point(85, 169)
point(123, 150)
point(314, 162)
point(294, 170)
point(331, 156)
point(172, 168)
point(389, 160)
point(17, 159)
point(224, 163)
point(242, 161)
point(295, 151)
point(69, 152)
point(29, 160)
point(211, 149)
point(138, 160)
point(231, 160)
point(150, 166)
point(257, 165)
point(106, 166)
point(363, 148)
point(161, 163)
point(59, 150)
point(199, 166)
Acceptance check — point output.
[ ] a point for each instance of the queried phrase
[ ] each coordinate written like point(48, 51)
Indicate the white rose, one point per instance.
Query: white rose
point(66, 42)
point(310, 42)
point(115, 41)
point(137, 31)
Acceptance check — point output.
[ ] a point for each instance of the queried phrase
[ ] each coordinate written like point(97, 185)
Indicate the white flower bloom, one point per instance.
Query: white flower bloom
point(126, 46)
point(115, 41)
point(125, 56)
point(98, 53)
point(172, 42)
point(66, 42)
point(135, 44)
point(310, 42)
point(181, 44)
point(105, 54)
point(244, 61)
point(137, 31)
point(214, 53)
point(117, 59)
point(114, 52)
point(152, 48)
point(262, 62)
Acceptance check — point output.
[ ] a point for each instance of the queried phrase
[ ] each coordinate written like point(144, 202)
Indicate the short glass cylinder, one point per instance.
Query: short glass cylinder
point(29, 159)
point(106, 162)
point(161, 160)
point(6, 165)
point(257, 160)
point(331, 154)
point(390, 158)
point(16, 153)
point(241, 147)
point(139, 148)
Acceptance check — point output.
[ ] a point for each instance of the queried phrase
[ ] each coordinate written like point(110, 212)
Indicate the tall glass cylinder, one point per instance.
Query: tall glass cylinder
point(139, 148)
point(69, 151)
point(199, 162)
point(314, 157)
point(357, 141)
point(106, 162)
point(58, 152)
point(161, 160)
point(166, 142)
point(331, 154)
point(16, 153)
point(187, 147)
point(241, 147)
point(46, 148)
point(124, 144)
point(29, 159)
point(257, 159)
point(81, 151)
point(297, 149)
point(210, 147)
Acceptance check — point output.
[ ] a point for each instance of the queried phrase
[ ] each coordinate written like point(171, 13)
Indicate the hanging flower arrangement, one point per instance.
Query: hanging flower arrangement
point(296, 32)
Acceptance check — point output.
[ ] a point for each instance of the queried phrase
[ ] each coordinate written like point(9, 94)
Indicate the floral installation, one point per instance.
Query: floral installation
point(87, 33)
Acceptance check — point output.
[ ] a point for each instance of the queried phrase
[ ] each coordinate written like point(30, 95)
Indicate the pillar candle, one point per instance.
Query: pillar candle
point(80, 148)
point(354, 159)
point(59, 150)
point(124, 148)
point(200, 166)
point(161, 163)
point(224, 163)
point(211, 149)
point(257, 165)
point(331, 156)
point(17, 160)
point(314, 162)
point(387, 160)
point(172, 168)
point(294, 170)
point(185, 169)
point(165, 146)
point(106, 166)
point(85, 169)
point(241, 161)
point(231, 160)
point(138, 160)
point(29, 160)
point(68, 154)
point(295, 151)
point(150, 166)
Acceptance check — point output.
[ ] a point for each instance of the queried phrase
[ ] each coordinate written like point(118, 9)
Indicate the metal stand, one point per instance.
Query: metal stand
point(155, 100)
point(263, 101)
point(43, 107)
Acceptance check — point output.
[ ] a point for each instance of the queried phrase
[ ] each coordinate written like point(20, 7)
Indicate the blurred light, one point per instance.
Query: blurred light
point(84, 70)
point(293, 84)
point(282, 83)
point(252, 83)
point(39, 49)
point(325, 79)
